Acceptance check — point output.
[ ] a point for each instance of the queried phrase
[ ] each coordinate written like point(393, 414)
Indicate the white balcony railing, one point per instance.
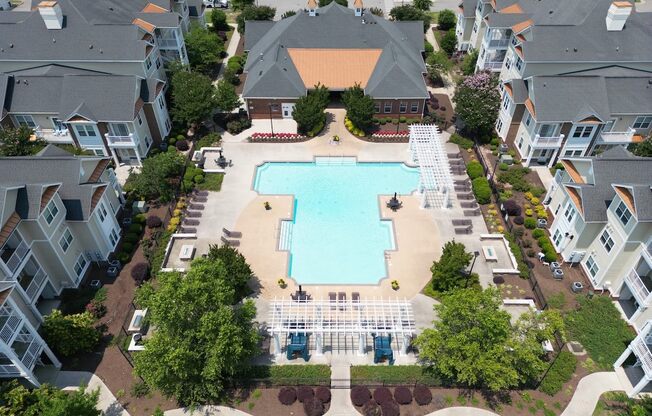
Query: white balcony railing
point(121, 140)
point(32, 353)
point(493, 66)
point(9, 370)
point(498, 43)
point(617, 137)
point(35, 284)
point(169, 43)
point(547, 142)
point(17, 256)
point(53, 135)
point(638, 288)
point(10, 326)
point(643, 353)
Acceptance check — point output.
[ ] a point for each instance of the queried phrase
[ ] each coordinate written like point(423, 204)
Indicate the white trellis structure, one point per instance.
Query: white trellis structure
point(362, 318)
point(435, 179)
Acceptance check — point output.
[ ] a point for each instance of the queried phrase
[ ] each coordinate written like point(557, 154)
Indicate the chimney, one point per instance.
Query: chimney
point(617, 15)
point(357, 5)
point(312, 7)
point(51, 14)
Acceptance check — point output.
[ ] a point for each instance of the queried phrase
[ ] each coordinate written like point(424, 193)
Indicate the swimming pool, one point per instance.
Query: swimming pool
point(336, 235)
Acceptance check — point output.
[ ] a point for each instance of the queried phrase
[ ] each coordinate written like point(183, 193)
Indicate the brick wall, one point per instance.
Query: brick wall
point(392, 108)
point(261, 108)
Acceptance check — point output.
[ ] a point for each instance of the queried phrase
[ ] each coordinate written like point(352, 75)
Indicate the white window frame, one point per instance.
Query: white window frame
point(402, 107)
point(50, 212)
point(25, 120)
point(113, 237)
point(582, 132)
point(387, 107)
point(570, 212)
point(552, 128)
point(414, 107)
point(625, 215)
point(528, 118)
point(377, 107)
point(506, 102)
point(643, 122)
point(139, 118)
point(66, 240)
point(80, 265)
point(101, 211)
point(85, 130)
point(557, 237)
point(592, 266)
point(519, 63)
point(606, 241)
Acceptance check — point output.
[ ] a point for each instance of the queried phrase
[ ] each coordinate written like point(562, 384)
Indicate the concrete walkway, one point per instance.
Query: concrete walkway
point(430, 37)
point(230, 50)
point(71, 380)
point(206, 411)
point(589, 390)
point(462, 411)
point(341, 404)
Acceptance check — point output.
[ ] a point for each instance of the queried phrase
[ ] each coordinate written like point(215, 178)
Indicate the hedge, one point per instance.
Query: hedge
point(474, 169)
point(481, 190)
point(462, 142)
point(280, 375)
point(560, 372)
point(397, 374)
point(530, 223)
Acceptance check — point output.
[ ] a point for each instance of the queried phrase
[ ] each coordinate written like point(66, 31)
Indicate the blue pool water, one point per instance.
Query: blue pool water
point(337, 236)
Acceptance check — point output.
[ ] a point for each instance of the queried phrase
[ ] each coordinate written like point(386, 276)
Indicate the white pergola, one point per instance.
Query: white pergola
point(435, 180)
point(348, 317)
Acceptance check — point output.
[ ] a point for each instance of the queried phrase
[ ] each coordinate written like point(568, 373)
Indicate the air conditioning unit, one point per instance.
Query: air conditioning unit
point(576, 256)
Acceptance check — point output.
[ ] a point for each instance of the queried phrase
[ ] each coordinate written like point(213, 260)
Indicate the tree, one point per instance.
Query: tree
point(47, 401)
point(360, 108)
point(324, 3)
point(309, 111)
point(438, 64)
point(446, 20)
point(477, 100)
point(643, 148)
point(193, 97)
point(218, 19)
point(70, 334)
point(152, 181)
point(422, 4)
point(468, 64)
point(474, 344)
point(236, 267)
point(226, 98)
point(254, 13)
point(241, 4)
point(449, 42)
point(408, 12)
point(19, 142)
point(205, 335)
point(205, 48)
point(449, 273)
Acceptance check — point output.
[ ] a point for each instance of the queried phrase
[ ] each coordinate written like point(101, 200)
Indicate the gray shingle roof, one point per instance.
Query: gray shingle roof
point(271, 72)
point(468, 7)
point(255, 30)
point(616, 166)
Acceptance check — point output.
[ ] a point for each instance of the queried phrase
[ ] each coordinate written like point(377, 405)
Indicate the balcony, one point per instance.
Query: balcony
point(641, 348)
point(547, 142)
point(14, 252)
point(9, 322)
point(31, 284)
point(640, 290)
point(168, 43)
point(121, 141)
point(493, 66)
point(498, 43)
point(53, 135)
point(617, 137)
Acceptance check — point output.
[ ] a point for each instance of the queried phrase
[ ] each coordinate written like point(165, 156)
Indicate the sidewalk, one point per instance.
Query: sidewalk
point(71, 380)
point(341, 404)
point(230, 50)
point(589, 390)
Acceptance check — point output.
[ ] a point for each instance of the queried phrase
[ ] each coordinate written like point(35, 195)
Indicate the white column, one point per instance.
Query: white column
point(639, 386)
point(552, 159)
point(115, 156)
point(405, 344)
point(277, 344)
point(319, 343)
point(619, 362)
point(361, 344)
point(446, 197)
point(140, 162)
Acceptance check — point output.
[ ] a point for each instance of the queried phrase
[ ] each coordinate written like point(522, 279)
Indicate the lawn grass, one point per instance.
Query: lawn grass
point(212, 182)
point(597, 325)
point(397, 374)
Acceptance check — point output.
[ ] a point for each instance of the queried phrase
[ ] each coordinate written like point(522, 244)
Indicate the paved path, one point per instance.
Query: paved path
point(462, 411)
point(430, 37)
point(341, 404)
point(230, 50)
point(206, 411)
point(589, 390)
point(71, 380)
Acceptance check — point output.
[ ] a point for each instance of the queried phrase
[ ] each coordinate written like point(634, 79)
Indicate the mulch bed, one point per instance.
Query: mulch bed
point(441, 108)
point(264, 402)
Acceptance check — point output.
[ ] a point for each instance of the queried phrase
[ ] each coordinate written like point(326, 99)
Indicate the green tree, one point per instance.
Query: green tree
point(477, 100)
point(218, 20)
point(422, 4)
point(309, 115)
point(322, 94)
point(236, 267)
point(449, 273)
point(254, 13)
point(438, 64)
point(446, 20)
point(474, 344)
point(70, 334)
point(226, 98)
point(468, 64)
point(324, 3)
point(408, 12)
point(643, 148)
point(18, 142)
point(241, 4)
point(193, 97)
point(449, 42)
point(46, 401)
point(204, 47)
point(153, 180)
point(205, 335)
point(360, 108)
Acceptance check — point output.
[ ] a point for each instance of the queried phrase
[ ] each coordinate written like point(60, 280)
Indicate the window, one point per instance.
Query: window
point(508, 62)
point(609, 125)
point(66, 240)
point(583, 131)
point(101, 211)
point(402, 108)
point(592, 266)
point(167, 125)
point(140, 119)
point(520, 142)
point(414, 107)
point(148, 62)
point(50, 212)
point(80, 265)
point(499, 125)
point(528, 118)
point(161, 102)
point(475, 27)
point(519, 63)
point(606, 241)
point(58, 125)
point(642, 122)
point(274, 107)
point(569, 213)
point(514, 40)
point(98, 152)
point(547, 130)
point(573, 153)
point(113, 237)
point(506, 102)
point(376, 108)
point(84, 130)
point(623, 214)
point(25, 121)
point(388, 107)
point(158, 63)
point(556, 238)
point(119, 129)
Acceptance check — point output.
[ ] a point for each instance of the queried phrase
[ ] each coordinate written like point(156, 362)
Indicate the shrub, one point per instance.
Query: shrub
point(395, 121)
point(446, 19)
point(403, 395)
point(123, 257)
point(560, 372)
point(154, 222)
point(542, 215)
point(128, 247)
point(70, 334)
point(390, 408)
point(139, 389)
point(422, 395)
point(304, 393)
point(397, 375)
point(371, 408)
point(530, 223)
point(96, 308)
point(198, 178)
point(402, 119)
point(138, 219)
point(481, 190)
point(130, 238)
point(503, 166)
point(529, 212)
point(538, 233)
point(535, 201)
point(474, 169)
point(527, 243)
point(360, 395)
point(237, 126)
point(287, 396)
point(313, 407)
point(174, 221)
point(323, 394)
point(530, 253)
point(140, 272)
point(462, 142)
point(382, 395)
point(518, 220)
point(519, 231)
point(182, 145)
point(512, 208)
point(135, 228)
point(537, 191)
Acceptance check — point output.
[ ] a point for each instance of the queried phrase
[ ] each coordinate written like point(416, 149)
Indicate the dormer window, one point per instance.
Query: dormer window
point(623, 213)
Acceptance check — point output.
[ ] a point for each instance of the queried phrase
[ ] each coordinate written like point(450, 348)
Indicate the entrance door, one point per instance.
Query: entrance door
point(287, 109)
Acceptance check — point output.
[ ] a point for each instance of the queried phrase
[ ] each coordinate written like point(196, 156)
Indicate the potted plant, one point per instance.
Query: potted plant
point(395, 285)
point(281, 283)
point(267, 206)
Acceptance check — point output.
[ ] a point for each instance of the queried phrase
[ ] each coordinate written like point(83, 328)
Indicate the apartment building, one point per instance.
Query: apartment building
point(123, 45)
point(573, 74)
point(57, 216)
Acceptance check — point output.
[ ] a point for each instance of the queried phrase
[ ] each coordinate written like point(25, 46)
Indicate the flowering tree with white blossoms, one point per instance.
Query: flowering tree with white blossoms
point(477, 101)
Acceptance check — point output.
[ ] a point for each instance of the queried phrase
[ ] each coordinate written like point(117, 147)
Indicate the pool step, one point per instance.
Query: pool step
point(285, 237)
point(335, 160)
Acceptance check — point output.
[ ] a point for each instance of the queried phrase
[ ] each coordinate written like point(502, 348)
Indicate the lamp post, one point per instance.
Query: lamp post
point(475, 256)
point(271, 123)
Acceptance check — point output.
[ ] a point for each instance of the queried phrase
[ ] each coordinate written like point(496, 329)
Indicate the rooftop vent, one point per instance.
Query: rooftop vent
point(617, 15)
point(51, 14)
point(312, 7)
